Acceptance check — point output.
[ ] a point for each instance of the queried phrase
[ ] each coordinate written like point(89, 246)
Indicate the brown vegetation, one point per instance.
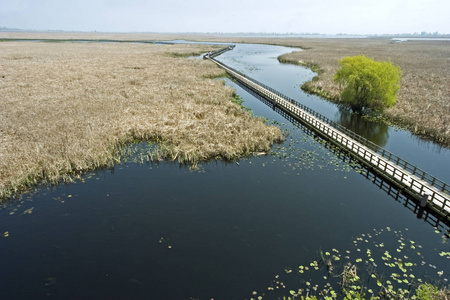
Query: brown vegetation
point(69, 107)
point(423, 104)
point(66, 107)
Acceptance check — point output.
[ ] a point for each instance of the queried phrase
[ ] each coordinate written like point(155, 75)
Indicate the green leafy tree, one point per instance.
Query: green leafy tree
point(368, 84)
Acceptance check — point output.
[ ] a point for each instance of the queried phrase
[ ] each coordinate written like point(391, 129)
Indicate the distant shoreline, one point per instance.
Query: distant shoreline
point(411, 36)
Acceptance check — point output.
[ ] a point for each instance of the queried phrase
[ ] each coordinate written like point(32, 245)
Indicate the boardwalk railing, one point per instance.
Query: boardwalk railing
point(433, 217)
point(417, 181)
point(213, 54)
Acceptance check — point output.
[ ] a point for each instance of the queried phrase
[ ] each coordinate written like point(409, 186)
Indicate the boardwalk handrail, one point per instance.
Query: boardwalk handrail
point(213, 54)
point(414, 170)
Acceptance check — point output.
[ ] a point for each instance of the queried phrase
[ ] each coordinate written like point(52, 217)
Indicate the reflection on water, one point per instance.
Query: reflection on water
point(375, 132)
point(433, 218)
point(260, 63)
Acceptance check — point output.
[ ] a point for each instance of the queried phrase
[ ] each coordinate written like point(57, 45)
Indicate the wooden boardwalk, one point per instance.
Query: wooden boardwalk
point(427, 189)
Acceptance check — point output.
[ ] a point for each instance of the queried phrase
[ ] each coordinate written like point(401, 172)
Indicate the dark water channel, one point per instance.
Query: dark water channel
point(260, 62)
point(163, 231)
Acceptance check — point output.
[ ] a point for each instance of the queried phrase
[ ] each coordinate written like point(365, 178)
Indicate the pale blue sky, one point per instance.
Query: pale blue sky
point(321, 16)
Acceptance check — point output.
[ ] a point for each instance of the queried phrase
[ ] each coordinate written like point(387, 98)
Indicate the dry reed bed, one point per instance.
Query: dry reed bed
point(66, 108)
point(423, 104)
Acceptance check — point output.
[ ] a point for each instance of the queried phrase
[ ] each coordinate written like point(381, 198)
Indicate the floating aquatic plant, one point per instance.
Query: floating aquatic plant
point(302, 151)
point(383, 264)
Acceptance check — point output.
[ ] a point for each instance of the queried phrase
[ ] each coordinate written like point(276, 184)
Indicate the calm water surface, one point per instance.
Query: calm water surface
point(161, 231)
point(260, 62)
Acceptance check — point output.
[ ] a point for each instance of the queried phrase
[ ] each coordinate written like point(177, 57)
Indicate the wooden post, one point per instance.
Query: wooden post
point(424, 201)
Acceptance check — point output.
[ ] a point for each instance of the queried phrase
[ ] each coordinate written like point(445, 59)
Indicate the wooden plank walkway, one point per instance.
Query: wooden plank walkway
point(416, 182)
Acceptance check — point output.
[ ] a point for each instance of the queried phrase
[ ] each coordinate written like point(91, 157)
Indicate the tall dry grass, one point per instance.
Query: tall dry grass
point(423, 104)
point(69, 107)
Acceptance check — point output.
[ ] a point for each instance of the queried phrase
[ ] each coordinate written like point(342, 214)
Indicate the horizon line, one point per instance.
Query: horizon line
point(423, 33)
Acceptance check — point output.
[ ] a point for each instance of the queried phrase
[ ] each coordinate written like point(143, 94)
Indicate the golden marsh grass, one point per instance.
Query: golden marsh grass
point(423, 104)
point(66, 108)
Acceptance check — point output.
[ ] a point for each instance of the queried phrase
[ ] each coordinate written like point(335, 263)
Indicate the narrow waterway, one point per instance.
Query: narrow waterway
point(260, 62)
point(225, 231)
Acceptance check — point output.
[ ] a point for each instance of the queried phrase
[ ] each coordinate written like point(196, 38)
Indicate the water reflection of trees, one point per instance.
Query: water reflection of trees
point(373, 131)
point(377, 133)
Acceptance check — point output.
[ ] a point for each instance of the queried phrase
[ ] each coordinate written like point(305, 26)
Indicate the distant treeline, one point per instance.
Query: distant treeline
point(9, 29)
point(415, 34)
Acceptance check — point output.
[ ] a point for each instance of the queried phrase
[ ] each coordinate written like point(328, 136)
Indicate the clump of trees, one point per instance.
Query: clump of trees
point(368, 84)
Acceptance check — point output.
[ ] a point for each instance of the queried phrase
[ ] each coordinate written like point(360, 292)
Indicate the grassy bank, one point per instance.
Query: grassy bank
point(69, 107)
